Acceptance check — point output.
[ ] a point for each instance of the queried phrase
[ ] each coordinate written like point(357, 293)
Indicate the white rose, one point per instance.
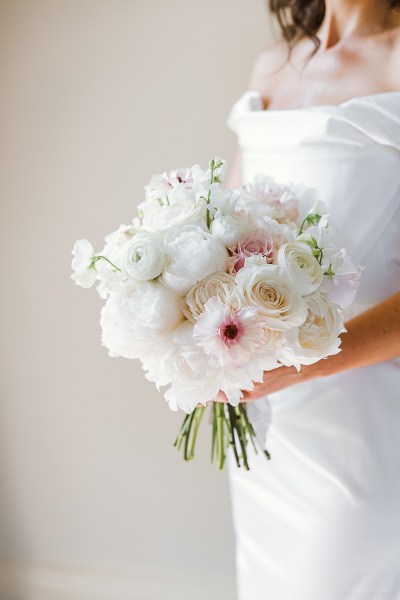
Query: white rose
point(218, 285)
point(159, 217)
point(144, 257)
point(193, 254)
point(135, 320)
point(230, 229)
point(83, 265)
point(317, 338)
point(303, 268)
point(270, 289)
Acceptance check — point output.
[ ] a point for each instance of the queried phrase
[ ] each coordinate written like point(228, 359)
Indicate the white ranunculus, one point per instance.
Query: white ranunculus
point(270, 289)
point(318, 337)
point(83, 265)
point(219, 285)
point(160, 217)
point(303, 268)
point(230, 229)
point(136, 319)
point(192, 255)
point(143, 257)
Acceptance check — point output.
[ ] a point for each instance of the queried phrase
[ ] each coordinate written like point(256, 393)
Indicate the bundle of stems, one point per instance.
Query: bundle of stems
point(230, 428)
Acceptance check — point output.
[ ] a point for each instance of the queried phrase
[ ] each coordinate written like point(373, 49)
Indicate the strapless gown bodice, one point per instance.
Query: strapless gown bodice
point(321, 520)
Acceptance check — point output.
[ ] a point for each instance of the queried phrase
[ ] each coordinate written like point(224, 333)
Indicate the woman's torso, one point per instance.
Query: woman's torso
point(321, 519)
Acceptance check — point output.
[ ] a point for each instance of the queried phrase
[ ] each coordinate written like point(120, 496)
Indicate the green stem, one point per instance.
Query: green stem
point(187, 435)
point(251, 431)
point(214, 431)
point(232, 419)
point(311, 219)
point(247, 426)
point(242, 439)
point(198, 415)
point(96, 258)
point(182, 433)
point(220, 435)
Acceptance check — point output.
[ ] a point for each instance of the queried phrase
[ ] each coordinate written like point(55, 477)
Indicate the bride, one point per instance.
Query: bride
point(321, 519)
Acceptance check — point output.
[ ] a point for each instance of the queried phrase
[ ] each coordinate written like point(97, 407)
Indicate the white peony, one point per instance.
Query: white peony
point(270, 289)
point(137, 319)
point(143, 257)
point(83, 264)
point(303, 267)
point(317, 338)
point(230, 229)
point(177, 361)
point(192, 255)
point(267, 198)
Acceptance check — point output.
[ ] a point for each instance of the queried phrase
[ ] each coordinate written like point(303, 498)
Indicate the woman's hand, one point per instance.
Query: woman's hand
point(274, 381)
point(372, 337)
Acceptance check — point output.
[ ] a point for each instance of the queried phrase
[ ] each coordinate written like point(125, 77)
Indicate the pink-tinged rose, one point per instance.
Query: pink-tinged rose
point(258, 243)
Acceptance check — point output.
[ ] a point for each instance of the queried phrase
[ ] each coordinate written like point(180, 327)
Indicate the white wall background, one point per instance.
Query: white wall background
point(96, 96)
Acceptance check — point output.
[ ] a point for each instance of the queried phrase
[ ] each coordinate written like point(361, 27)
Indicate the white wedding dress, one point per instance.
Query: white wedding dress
point(321, 519)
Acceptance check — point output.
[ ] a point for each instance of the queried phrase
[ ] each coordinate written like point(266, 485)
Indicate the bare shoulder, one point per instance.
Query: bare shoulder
point(268, 67)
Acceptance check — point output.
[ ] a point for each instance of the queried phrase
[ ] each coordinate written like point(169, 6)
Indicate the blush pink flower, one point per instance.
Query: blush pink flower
point(227, 335)
point(258, 243)
point(266, 197)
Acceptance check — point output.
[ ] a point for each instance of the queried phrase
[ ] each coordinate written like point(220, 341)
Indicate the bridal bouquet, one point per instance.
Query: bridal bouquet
point(210, 288)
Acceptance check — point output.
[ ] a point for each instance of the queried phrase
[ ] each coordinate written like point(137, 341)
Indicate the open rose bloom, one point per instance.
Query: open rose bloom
point(210, 288)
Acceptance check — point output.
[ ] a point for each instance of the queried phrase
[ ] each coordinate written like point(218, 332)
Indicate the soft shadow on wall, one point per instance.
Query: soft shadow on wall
point(96, 97)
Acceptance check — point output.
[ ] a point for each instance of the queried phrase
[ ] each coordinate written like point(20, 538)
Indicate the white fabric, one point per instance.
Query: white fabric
point(321, 519)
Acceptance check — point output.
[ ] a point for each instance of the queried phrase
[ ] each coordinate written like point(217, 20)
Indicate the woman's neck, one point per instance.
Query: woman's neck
point(352, 18)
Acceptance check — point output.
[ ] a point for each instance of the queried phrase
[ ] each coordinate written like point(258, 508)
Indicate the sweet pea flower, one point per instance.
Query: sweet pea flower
point(83, 264)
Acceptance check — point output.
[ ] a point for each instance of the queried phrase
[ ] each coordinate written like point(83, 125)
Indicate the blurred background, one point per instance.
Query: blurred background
point(96, 96)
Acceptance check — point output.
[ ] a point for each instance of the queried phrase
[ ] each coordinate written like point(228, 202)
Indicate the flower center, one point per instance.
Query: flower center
point(230, 331)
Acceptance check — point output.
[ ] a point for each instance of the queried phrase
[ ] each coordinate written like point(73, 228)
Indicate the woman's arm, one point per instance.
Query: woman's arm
point(372, 337)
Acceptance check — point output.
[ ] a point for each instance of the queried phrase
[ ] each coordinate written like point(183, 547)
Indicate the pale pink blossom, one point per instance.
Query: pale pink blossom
point(228, 335)
point(252, 244)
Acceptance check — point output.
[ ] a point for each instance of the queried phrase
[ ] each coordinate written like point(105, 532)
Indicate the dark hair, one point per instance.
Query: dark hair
point(298, 18)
